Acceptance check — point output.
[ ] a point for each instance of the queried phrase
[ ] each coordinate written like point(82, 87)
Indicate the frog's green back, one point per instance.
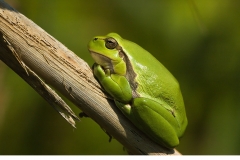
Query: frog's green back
point(156, 82)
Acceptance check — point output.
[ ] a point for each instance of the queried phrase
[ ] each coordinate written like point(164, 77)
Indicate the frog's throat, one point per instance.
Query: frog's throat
point(103, 61)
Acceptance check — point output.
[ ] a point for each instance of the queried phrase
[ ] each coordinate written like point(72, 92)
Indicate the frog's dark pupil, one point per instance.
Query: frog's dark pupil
point(111, 43)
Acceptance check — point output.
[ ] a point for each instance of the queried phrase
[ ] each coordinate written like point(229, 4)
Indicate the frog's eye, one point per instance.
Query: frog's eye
point(111, 43)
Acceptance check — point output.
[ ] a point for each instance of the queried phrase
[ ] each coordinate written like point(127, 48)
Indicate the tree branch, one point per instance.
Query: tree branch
point(33, 53)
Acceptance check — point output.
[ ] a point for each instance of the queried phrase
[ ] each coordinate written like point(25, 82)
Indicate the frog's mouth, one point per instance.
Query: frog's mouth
point(103, 61)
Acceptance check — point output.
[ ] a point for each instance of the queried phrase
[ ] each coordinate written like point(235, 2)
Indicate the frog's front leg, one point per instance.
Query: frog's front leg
point(153, 119)
point(116, 85)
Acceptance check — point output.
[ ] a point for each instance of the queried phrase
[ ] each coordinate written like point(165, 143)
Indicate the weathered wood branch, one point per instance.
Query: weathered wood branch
point(32, 53)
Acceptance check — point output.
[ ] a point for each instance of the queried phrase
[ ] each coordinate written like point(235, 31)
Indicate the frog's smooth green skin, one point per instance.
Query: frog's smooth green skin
point(142, 88)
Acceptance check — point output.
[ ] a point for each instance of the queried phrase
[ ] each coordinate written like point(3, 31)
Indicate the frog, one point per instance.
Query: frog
point(141, 87)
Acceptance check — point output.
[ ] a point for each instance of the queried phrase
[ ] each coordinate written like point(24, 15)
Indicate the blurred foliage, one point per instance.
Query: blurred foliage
point(197, 40)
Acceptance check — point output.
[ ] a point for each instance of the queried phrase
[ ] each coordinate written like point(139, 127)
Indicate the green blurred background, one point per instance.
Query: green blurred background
point(197, 40)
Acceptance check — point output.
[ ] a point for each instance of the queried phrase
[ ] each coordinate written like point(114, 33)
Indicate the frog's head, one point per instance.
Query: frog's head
point(106, 51)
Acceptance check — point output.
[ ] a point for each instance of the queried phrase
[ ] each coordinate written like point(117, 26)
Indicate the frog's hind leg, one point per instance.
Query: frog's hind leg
point(153, 119)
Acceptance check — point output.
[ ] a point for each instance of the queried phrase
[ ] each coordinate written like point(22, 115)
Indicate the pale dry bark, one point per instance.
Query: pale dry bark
point(33, 54)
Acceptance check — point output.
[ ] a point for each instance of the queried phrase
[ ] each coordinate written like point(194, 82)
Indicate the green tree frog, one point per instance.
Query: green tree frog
point(142, 88)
